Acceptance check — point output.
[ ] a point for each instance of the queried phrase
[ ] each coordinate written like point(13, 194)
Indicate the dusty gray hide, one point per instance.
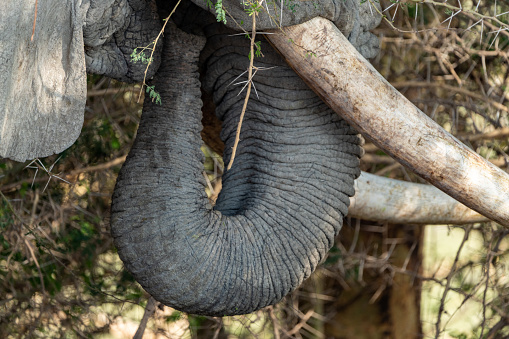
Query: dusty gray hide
point(43, 81)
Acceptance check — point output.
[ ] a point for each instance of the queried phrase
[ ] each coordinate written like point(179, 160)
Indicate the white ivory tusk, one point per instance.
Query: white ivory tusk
point(401, 202)
point(351, 86)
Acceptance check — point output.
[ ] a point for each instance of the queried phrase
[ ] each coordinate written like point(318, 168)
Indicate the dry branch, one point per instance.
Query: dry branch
point(149, 311)
point(501, 133)
point(107, 91)
point(100, 167)
point(452, 89)
point(248, 91)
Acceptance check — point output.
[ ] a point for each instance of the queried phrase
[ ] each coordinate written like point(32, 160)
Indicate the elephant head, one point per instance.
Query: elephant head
point(283, 200)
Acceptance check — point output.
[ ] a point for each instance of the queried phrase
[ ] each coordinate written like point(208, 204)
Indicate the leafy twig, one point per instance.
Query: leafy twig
point(153, 94)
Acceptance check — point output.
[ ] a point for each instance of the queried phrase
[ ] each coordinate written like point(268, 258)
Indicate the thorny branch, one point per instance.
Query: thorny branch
point(149, 311)
point(490, 21)
point(249, 84)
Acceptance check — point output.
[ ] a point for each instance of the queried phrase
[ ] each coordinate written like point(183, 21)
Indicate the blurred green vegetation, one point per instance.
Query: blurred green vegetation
point(57, 261)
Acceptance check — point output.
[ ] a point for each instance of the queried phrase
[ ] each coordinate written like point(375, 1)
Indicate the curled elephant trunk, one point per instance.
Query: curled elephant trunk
point(281, 205)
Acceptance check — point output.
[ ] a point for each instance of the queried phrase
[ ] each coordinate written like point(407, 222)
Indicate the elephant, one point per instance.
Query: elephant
point(284, 199)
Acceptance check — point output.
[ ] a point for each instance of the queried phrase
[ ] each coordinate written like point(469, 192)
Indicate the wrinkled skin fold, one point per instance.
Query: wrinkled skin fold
point(281, 205)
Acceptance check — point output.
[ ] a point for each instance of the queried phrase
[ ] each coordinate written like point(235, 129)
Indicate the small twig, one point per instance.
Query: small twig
point(107, 91)
point(449, 279)
point(486, 286)
point(498, 326)
point(100, 167)
point(218, 329)
point(35, 19)
point(275, 324)
point(209, 184)
point(39, 165)
point(501, 133)
point(473, 14)
point(36, 264)
point(449, 88)
point(303, 320)
point(355, 236)
point(149, 311)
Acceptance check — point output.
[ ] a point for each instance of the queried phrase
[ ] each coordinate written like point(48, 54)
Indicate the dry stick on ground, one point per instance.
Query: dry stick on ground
point(149, 311)
point(248, 93)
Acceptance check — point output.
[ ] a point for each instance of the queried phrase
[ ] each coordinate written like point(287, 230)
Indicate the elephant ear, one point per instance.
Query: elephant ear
point(42, 80)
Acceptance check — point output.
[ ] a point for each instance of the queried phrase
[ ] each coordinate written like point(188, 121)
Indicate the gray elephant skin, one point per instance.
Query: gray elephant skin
point(282, 202)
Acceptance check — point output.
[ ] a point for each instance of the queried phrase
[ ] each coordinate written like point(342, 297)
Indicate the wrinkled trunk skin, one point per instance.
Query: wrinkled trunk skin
point(354, 18)
point(282, 202)
point(114, 28)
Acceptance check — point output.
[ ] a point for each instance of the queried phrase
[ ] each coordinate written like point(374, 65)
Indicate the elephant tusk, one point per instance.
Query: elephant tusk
point(351, 86)
point(400, 202)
